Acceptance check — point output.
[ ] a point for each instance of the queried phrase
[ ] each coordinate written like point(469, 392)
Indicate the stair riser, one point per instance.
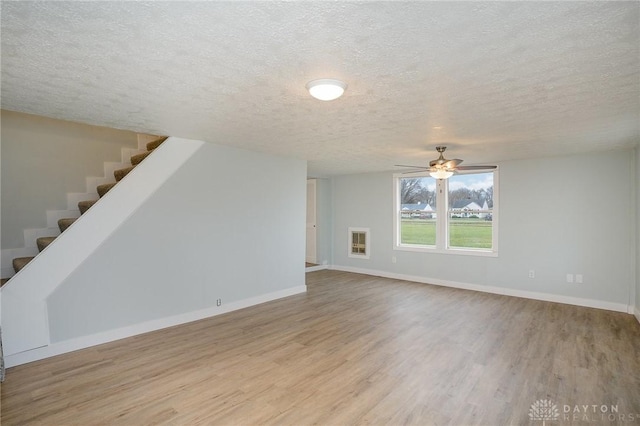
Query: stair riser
point(127, 154)
point(31, 235)
point(92, 182)
point(73, 198)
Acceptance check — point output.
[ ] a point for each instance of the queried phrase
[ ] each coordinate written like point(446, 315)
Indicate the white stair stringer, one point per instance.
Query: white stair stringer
point(24, 298)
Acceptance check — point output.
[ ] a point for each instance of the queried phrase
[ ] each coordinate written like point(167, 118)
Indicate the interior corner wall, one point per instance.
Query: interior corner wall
point(324, 221)
point(229, 224)
point(556, 216)
point(42, 160)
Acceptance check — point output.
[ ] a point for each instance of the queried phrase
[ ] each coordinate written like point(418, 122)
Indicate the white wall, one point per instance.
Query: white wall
point(229, 224)
point(557, 216)
point(42, 160)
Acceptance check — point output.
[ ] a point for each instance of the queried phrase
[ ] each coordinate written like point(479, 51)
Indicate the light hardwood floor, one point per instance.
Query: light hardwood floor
point(353, 350)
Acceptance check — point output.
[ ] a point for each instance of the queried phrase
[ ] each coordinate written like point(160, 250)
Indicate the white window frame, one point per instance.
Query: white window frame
point(442, 220)
point(367, 243)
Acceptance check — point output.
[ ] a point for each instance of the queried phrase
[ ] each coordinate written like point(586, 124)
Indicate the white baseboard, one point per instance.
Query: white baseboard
point(316, 268)
point(568, 300)
point(84, 342)
point(636, 313)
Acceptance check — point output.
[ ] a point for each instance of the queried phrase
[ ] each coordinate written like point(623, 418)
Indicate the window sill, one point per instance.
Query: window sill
point(454, 251)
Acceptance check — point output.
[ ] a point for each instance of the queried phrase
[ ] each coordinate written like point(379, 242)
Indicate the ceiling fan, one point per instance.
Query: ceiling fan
point(443, 168)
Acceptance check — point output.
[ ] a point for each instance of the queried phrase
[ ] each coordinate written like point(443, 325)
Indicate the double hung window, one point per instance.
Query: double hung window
point(455, 215)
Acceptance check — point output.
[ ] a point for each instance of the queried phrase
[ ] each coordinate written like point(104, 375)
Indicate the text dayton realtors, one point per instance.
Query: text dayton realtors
point(595, 412)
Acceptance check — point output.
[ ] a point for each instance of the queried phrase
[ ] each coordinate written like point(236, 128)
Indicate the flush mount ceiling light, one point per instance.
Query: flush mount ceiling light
point(326, 89)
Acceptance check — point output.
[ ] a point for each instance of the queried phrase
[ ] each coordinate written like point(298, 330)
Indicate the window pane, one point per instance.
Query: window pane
point(418, 211)
point(418, 231)
point(418, 193)
point(470, 203)
point(470, 232)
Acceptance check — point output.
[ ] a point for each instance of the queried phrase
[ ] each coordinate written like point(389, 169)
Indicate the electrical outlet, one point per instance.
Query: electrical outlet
point(219, 302)
point(579, 278)
point(532, 273)
point(569, 278)
point(393, 259)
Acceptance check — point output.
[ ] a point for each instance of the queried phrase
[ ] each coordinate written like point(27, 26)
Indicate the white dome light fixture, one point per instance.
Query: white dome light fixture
point(326, 89)
point(441, 174)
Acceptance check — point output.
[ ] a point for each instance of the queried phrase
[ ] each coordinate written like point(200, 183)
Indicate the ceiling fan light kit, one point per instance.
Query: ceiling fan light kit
point(441, 174)
point(326, 89)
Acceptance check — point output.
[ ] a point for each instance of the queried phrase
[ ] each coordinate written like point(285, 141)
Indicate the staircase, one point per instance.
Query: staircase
point(83, 206)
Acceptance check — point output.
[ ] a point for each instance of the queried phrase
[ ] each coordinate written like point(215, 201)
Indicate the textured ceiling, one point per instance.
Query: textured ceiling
point(493, 81)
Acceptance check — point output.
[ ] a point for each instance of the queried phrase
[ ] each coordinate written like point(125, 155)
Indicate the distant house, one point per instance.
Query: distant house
point(461, 209)
point(470, 208)
point(420, 210)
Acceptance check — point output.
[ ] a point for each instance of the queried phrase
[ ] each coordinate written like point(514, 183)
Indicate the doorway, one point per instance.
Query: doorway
point(311, 255)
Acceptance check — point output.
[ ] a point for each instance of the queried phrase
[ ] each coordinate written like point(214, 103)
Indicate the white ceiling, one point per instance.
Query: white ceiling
point(503, 80)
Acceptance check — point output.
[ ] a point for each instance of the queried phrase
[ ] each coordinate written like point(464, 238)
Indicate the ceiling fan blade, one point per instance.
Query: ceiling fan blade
point(415, 171)
point(442, 163)
point(450, 164)
point(414, 167)
point(463, 168)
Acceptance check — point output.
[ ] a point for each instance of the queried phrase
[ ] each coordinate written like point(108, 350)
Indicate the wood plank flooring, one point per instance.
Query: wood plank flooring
point(353, 350)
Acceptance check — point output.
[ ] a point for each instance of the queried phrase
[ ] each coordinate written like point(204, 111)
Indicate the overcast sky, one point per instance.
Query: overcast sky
point(473, 181)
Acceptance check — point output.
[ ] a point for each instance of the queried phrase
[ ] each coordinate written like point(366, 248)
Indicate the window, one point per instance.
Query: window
point(359, 243)
point(456, 215)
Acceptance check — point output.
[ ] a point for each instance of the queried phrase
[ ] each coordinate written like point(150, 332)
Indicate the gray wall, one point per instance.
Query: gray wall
point(229, 224)
point(42, 160)
point(557, 216)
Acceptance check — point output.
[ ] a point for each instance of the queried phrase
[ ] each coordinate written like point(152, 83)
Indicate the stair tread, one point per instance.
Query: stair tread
point(155, 143)
point(83, 206)
point(65, 223)
point(119, 174)
point(137, 159)
point(43, 242)
point(21, 262)
point(103, 189)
